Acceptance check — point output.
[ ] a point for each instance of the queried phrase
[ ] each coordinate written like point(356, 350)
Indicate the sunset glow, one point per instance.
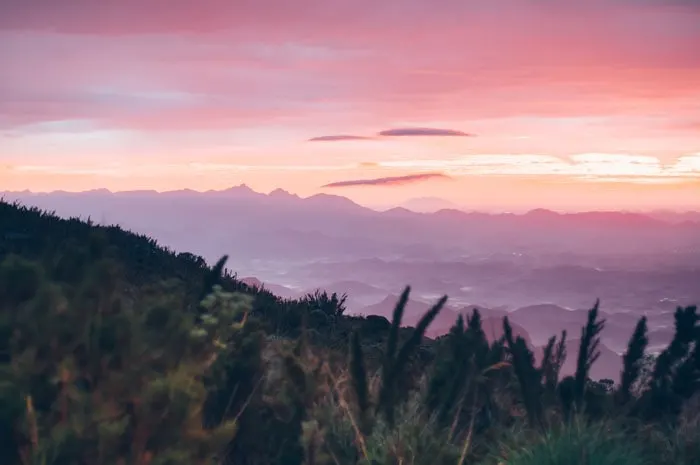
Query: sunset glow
point(489, 104)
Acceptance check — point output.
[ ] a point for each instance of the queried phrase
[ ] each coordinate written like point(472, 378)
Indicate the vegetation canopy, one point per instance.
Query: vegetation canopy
point(115, 350)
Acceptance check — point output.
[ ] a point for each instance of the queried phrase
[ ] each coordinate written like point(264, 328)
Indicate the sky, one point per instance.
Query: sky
point(493, 104)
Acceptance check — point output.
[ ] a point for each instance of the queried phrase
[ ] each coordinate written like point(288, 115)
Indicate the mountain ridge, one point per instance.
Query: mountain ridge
point(243, 190)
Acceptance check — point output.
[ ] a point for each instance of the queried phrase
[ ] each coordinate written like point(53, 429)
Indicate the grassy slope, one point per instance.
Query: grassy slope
point(304, 408)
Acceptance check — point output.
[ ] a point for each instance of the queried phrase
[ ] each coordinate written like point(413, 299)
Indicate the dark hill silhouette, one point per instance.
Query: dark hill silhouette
point(352, 287)
point(660, 337)
point(608, 365)
point(446, 319)
point(414, 309)
point(486, 312)
point(277, 289)
point(493, 327)
point(543, 320)
point(492, 319)
point(546, 311)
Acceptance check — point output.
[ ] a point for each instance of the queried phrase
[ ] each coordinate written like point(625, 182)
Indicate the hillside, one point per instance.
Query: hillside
point(117, 350)
point(66, 248)
point(631, 262)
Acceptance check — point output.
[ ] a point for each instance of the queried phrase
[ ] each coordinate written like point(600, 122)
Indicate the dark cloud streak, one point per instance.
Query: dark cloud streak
point(337, 138)
point(389, 181)
point(395, 132)
point(400, 132)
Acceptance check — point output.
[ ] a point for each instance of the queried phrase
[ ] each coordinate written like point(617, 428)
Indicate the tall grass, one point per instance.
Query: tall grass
point(575, 443)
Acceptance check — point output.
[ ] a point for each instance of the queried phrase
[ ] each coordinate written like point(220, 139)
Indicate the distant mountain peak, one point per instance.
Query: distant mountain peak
point(138, 192)
point(400, 211)
point(450, 211)
point(252, 281)
point(182, 191)
point(323, 195)
point(335, 200)
point(428, 204)
point(281, 193)
point(542, 212)
point(99, 191)
point(240, 189)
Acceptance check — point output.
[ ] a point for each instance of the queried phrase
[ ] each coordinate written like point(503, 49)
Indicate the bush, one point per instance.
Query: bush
point(576, 443)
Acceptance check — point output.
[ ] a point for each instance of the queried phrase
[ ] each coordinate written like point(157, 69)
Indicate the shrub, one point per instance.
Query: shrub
point(576, 443)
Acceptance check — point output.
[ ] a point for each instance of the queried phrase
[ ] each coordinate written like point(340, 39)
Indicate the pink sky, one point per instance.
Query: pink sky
point(588, 104)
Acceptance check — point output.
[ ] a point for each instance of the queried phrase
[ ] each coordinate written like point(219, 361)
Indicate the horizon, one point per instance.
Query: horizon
point(449, 206)
point(568, 108)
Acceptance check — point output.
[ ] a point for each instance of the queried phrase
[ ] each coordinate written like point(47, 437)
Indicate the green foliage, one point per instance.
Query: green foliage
point(358, 375)
point(393, 364)
point(632, 360)
point(529, 377)
point(576, 443)
point(553, 357)
point(588, 353)
point(677, 443)
point(114, 350)
point(464, 377)
point(97, 374)
point(413, 440)
point(676, 372)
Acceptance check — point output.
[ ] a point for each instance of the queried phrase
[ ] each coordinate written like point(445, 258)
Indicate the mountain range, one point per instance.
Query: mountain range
point(325, 221)
point(542, 268)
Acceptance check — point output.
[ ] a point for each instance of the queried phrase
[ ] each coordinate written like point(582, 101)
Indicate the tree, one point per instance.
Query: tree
point(632, 361)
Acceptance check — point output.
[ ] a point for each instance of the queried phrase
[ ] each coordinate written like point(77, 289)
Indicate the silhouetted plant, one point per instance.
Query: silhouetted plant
point(588, 353)
point(358, 374)
point(686, 378)
point(394, 363)
point(460, 385)
point(667, 387)
point(450, 371)
point(632, 360)
point(554, 356)
point(567, 392)
point(529, 377)
point(213, 276)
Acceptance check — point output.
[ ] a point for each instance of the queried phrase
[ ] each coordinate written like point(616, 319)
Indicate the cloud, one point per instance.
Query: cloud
point(278, 70)
point(424, 132)
point(66, 170)
point(686, 126)
point(137, 65)
point(583, 166)
point(119, 17)
point(337, 138)
point(389, 181)
point(262, 60)
point(396, 132)
point(171, 169)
